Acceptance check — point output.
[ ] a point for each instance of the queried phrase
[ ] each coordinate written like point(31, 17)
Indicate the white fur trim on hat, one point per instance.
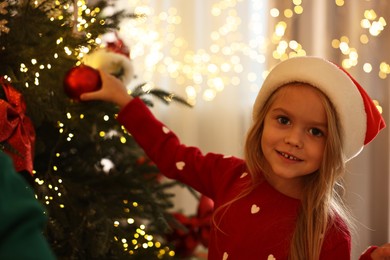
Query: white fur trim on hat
point(334, 83)
point(112, 63)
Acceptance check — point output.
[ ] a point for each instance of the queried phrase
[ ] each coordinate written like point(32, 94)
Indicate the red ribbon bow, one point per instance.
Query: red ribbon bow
point(16, 129)
point(197, 229)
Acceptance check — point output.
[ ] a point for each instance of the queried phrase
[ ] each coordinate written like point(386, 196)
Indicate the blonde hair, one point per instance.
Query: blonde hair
point(322, 199)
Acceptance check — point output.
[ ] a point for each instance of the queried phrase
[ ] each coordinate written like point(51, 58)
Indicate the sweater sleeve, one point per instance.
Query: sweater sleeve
point(175, 160)
point(22, 217)
point(367, 254)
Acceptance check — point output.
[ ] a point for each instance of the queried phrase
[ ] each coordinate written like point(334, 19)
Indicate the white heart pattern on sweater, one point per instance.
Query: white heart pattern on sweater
point(255, 209)
point(180, 165)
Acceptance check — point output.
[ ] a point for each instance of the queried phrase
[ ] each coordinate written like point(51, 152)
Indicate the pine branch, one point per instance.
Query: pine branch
point(164, 96)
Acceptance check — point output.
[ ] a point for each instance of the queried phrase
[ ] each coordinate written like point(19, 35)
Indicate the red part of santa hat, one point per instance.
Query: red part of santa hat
point(118, 46)
point(359, 118)
point(375, 122)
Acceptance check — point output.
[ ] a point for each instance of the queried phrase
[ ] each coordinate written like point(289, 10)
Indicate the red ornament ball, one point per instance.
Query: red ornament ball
point(81, 79)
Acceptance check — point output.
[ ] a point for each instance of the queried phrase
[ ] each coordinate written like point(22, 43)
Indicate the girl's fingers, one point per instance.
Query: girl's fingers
point(89, 96)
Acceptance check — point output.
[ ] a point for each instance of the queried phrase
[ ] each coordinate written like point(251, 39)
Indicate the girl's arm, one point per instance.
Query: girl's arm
point(175, 160)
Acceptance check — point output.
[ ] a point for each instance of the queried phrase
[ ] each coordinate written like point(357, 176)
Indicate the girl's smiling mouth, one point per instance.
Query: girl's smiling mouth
point(288, 156)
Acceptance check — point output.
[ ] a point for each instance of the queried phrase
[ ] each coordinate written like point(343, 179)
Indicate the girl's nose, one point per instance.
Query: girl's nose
point(294, 138)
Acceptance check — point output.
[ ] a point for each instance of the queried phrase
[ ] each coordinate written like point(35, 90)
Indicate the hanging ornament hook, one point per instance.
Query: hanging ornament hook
point(75, 16)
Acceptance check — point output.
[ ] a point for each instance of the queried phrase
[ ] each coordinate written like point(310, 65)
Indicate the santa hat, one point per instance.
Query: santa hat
point(359, 118)
point(113, 59)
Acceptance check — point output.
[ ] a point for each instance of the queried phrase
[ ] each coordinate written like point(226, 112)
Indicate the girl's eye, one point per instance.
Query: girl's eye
point(316, 132)
point(283, 120)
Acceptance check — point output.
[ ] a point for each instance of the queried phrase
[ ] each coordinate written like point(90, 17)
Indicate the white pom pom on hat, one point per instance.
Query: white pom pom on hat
point(360, 119)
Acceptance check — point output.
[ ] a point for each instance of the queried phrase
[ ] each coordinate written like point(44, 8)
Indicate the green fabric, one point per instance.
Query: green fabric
point(22, 217)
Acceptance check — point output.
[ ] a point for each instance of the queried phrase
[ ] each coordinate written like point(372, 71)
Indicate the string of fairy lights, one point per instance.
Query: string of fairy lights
point(83, 17)
point(203, 72)
point(207, 70)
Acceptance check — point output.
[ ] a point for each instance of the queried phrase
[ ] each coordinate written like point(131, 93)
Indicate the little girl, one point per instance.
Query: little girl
point(284, 201)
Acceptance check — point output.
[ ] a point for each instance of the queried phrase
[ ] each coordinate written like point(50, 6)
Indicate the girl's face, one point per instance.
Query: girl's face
point(294, 137)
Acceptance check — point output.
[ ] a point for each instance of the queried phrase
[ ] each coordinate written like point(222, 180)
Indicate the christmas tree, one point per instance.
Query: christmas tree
point(104, 198)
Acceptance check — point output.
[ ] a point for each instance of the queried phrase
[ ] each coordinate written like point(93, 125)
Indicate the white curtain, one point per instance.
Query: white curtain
point(219, 50)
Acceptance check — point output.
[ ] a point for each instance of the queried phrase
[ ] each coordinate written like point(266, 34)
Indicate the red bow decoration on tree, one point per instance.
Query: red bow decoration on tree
point(16, 129)
point(196, 229)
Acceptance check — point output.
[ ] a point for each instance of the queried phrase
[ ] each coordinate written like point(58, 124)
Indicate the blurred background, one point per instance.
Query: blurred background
point(104, 198)
point(217, 54)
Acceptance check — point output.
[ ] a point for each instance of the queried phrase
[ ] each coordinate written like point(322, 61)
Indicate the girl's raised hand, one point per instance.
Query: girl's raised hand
point(112, 90)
